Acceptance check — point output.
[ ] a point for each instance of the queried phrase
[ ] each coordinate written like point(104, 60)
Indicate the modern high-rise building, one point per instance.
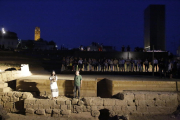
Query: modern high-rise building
point(37, 33)
point(154, 27)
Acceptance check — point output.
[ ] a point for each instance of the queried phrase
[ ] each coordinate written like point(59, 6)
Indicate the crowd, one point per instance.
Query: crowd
point(121, 65)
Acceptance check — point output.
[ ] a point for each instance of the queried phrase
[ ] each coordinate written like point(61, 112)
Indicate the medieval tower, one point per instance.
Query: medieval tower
point(37, 33)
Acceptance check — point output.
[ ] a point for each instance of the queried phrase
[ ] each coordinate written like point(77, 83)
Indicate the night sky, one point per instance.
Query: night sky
point(80, 22)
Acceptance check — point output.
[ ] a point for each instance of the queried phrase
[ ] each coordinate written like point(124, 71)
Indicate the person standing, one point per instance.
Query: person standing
point(132, 65)
point(85, 64)
point(75, 64)
point(80, 64)
point(139, 64)
point(90, 64)
point(77, 84)
point(146, 63)
point(128, 65)
point(115, 62)
point(53, 85)
point(161, 68)
point(155, 63)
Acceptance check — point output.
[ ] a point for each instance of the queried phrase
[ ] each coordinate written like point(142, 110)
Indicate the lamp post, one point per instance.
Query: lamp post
point(3, 32)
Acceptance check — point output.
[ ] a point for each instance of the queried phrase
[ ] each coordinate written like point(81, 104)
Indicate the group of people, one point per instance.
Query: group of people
point(54, 88)
point(121, 65)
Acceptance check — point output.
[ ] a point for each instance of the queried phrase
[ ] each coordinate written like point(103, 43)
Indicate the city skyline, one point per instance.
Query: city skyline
point(75, 23)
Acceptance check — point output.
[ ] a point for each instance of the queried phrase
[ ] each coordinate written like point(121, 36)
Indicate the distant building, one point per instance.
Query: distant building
point(97, 47)
point(8, 40)
point(37, 33)
point(36, 45)
point(154, 27)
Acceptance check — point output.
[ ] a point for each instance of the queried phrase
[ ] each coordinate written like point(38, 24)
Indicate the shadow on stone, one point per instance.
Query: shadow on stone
point(104, 114)
point(119, 96)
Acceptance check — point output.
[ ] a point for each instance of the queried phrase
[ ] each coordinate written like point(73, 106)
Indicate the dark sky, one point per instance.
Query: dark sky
point(76, 22)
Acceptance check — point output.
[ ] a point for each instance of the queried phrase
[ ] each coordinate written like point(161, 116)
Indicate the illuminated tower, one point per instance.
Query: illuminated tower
point(37, 33)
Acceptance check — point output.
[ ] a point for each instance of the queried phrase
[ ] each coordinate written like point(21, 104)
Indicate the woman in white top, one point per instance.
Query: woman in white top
point(53, 85)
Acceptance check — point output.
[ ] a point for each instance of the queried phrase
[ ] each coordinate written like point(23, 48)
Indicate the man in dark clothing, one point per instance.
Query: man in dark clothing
point(77, 84)
point(161, 67)
point(75, 63)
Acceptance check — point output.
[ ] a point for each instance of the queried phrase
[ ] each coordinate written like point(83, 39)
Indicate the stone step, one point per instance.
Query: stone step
point(5, 89)
point(3, 84)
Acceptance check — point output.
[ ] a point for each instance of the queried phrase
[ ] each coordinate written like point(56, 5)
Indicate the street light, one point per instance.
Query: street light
point(3, 31)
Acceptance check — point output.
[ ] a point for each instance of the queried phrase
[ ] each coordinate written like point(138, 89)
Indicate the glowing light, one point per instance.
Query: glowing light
point(3, 31)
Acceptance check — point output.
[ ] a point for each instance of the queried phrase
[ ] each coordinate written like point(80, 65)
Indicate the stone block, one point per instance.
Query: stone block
point(57, 106)
point(35, 106)
point(18, 94)
point(108, 101)
point(5, 89)
point(10, 94)
point(139, 96)
point(48, 111)
point(80, 103)
point(108, 107)
point(74, 101)
point(160, 102)
point(63, 107)
point(46, 106)
point(173, 96)
point(66, 112)
point(171, 103)
point(100, 107)
point(93, 107)
point(69, 107)
point(40, 112)
point(68, 102)
point(56, 111)
point(131, 102)
point(51, 102)
point(88, 108)
point(27, 95)
point(87, 101)
point(116, 108)
point(112, 113)
point(124, 108)
point(121, 102)
point(150, 102)
point(152, 96)
point(128, 96)
point(40, 106)
point(97, 102)
point(29, 101)
point(60, 102)
point(141, 109)
point(164, 96)
point(131, 109)
point(5, 98)
point(95, 113)
point(30, 111)
point(79, 109)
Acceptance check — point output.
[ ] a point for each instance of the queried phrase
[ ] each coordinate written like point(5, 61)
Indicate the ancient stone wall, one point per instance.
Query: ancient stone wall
point(89, 88)
point(134, 103)
point(119, 86)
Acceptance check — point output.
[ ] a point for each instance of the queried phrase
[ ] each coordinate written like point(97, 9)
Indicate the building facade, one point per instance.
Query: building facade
point(154, 27)
point(8, 40)
point(37, 33)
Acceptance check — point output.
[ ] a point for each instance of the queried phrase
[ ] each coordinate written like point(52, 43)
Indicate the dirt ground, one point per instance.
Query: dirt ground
point(85, 116)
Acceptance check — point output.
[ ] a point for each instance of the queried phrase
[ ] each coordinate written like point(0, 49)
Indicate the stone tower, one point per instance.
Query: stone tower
point(37, 33)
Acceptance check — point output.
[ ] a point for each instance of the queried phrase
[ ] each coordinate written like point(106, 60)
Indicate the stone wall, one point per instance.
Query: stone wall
point(14, 101)
point(89, 88)
point(119, 86)
point(136, 103)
